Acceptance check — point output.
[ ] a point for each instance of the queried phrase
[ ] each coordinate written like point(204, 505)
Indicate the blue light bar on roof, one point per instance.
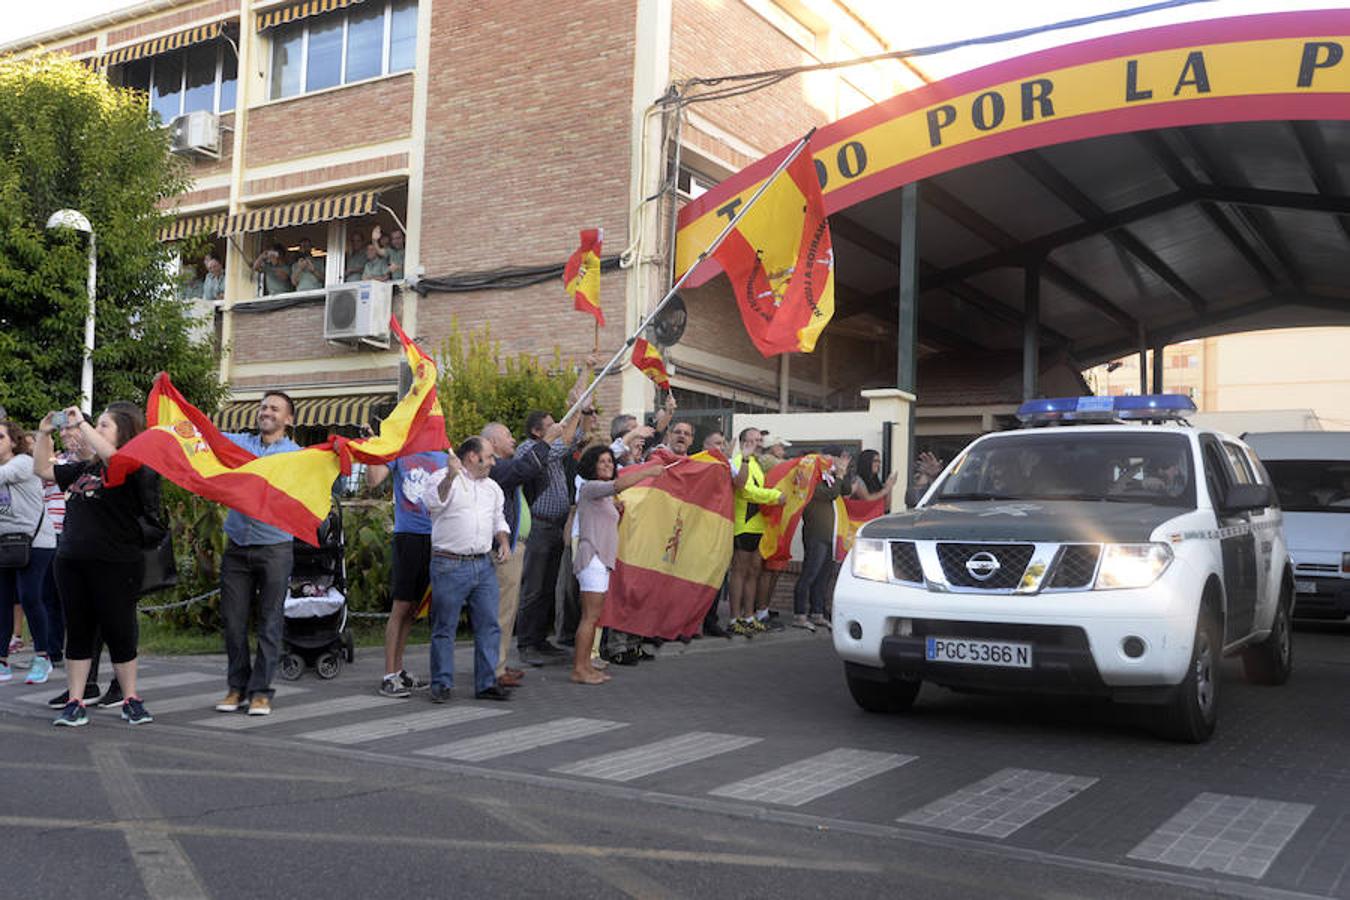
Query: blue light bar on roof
point(1105, 409)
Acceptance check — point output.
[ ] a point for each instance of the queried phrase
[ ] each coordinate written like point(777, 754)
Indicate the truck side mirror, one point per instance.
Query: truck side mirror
point(1242, 497)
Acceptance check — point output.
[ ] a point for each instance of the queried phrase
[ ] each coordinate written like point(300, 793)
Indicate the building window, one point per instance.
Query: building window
point(378, 37)
point(196, 78)
point(692, 184)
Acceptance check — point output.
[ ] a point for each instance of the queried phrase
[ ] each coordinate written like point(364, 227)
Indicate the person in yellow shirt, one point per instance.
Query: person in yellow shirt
point(746, 562)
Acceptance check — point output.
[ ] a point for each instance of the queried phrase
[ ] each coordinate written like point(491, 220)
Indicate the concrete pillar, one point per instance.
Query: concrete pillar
point(907, 334)
point(1158, 368)
point(1031, 330)
point(783, 384)
point(894, 409)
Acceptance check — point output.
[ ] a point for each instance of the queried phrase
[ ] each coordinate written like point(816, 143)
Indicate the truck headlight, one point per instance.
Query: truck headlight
point(1132, 565)
point(871, 560)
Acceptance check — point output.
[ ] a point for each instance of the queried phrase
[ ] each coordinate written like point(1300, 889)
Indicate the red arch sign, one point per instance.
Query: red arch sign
point(1251, 68)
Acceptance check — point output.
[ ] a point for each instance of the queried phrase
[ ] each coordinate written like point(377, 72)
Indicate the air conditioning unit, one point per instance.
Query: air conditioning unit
point(195, 132)
point(358, 312)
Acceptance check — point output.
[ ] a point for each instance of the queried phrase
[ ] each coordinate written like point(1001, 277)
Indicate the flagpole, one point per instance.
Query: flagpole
point(670, 294)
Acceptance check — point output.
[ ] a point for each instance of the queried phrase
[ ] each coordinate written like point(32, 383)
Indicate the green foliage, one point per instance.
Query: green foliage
point(478, 384)
point(368, 525)
point(198, 528)
point(70, 140)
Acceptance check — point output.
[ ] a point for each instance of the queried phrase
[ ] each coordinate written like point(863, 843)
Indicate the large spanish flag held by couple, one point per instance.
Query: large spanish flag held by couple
point(293, 491)
point(674, 547)
point(797, 479)
point(780, 261)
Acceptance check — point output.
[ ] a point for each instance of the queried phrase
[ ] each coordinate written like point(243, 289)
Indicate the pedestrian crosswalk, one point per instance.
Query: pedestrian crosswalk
point(1236, 836)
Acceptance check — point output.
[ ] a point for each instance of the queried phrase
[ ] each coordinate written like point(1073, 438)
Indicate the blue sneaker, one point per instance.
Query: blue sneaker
point(6, 673)
point(133, 710)
point(73, 715)
point(39, 671)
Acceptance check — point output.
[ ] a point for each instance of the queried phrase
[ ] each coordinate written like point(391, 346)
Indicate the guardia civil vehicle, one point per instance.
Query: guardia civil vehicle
point(1106, 549)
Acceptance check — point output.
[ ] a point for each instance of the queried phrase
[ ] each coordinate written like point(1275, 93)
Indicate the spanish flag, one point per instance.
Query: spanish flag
point(293, 491)
point(649, 362)
point(849, 516)
point(797, 479)
point(674, 547)
point(581, 277)
point(781, 262)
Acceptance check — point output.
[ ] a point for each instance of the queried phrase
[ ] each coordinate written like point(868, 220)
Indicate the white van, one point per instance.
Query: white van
point(1311, 472)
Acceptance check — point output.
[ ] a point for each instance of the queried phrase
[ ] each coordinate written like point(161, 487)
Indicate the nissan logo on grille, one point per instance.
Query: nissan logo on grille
point(983, 565)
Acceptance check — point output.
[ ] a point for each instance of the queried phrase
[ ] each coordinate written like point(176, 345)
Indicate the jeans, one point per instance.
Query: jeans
point(261, 572)
point(539, 583)
point(453, 583)
point(814, 580)
point(24, 586)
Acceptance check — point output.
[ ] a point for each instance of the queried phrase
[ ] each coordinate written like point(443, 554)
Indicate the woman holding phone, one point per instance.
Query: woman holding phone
point(99, 562)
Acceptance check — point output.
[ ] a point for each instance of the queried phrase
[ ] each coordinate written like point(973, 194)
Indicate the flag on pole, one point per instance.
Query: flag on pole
point(797, 479)
point(292, 491)
point(849, 516)
point(780, 261)
point(674, 547)
point(581, 277)
point(648, 360)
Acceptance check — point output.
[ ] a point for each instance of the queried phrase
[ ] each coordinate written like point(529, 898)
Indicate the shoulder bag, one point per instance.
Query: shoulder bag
point(17, 548)
point(160, 571)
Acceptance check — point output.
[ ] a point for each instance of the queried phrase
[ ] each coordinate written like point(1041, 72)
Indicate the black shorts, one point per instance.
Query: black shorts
point(748, 541)
point(411, 568)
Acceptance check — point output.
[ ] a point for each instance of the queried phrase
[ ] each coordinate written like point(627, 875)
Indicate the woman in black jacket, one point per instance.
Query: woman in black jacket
point(99, 561)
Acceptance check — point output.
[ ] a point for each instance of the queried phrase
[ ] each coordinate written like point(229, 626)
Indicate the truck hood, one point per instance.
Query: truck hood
point(1057, 521)
point(1319, 532)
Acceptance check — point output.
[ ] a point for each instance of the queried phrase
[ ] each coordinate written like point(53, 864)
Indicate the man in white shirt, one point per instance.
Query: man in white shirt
point(467, 520)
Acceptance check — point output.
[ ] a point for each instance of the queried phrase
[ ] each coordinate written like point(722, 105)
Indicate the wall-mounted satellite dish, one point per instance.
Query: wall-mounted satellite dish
point(668, 327)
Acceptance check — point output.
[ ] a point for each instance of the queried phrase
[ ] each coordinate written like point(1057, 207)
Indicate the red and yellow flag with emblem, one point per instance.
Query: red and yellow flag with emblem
point(649, 362)
point(849, 516)
point(797, 479)
point(581, 276)
point(293, 491)
point(781, 263)
point(674, 547)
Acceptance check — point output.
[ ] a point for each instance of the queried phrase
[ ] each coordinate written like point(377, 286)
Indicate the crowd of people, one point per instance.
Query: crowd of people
point(277, 270)
point(524, 535)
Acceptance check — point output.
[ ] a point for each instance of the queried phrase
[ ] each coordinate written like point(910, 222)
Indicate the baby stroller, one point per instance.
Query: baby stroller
point(315, 630)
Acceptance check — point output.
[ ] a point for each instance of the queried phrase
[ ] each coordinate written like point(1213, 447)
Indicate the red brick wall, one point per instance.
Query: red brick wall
point(365, 113)
point(725, 37)
point(524, 148)
point(179, 19)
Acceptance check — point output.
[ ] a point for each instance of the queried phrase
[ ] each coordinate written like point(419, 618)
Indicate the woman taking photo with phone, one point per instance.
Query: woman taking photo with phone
point(99, 562)
point(30, 544)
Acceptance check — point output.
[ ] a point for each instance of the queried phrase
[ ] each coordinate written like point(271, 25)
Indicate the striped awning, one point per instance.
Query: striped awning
point(191, 226)
point(324, 412)
point(199, 35)
point(289, 12)
point(305, 212)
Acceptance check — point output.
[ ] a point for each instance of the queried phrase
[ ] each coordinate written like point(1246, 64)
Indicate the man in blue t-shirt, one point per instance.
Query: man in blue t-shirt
point(411, 559)
point(256, 564)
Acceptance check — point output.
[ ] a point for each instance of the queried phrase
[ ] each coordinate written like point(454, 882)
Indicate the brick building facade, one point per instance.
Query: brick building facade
point(493, 136)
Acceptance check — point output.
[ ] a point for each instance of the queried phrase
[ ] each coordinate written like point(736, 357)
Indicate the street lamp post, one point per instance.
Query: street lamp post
point(69, 218)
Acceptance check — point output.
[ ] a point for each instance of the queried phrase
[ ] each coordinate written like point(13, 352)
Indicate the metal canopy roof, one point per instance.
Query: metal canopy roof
point(1166, 184)
point(1184, 232)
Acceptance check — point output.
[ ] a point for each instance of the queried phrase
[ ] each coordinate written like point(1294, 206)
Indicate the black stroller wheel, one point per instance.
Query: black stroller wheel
point(292, 667)
point(328, 666)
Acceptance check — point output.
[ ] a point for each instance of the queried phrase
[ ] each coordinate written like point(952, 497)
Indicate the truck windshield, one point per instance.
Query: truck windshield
point(1134, 466)
point(1311, 485)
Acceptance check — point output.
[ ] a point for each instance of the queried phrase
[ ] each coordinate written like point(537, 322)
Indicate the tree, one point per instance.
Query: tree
point(479, 385)
point(70, 140)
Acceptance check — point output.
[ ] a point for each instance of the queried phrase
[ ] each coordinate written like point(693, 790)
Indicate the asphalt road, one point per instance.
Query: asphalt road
point(731, 770)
